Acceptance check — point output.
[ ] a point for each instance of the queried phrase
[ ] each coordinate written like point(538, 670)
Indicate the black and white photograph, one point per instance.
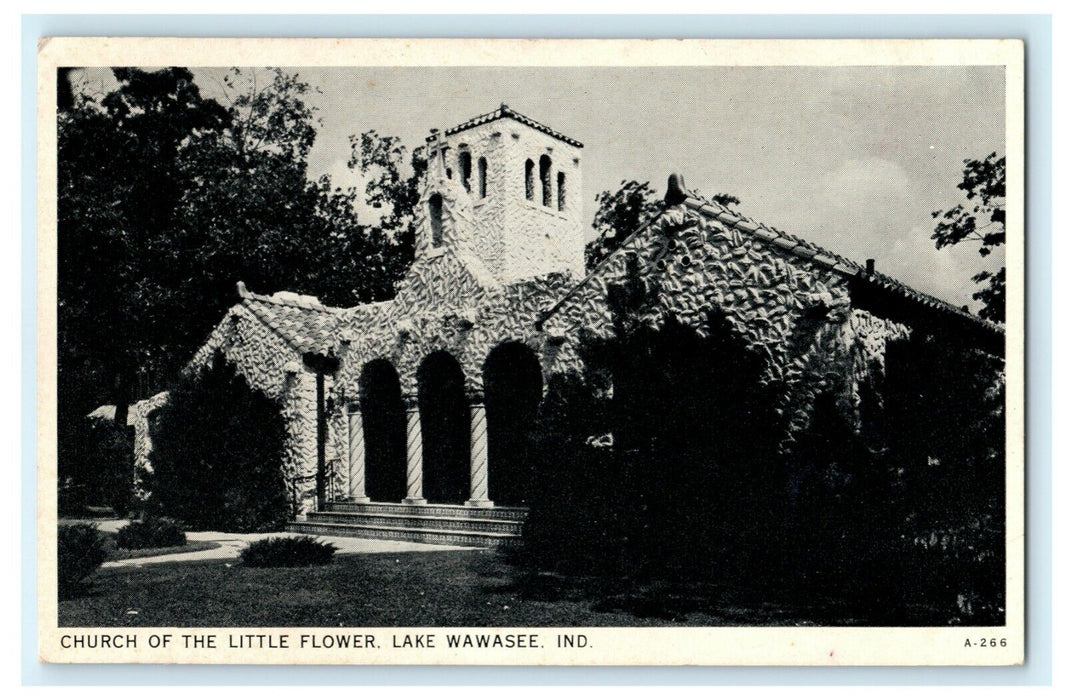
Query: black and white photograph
point(505, 360)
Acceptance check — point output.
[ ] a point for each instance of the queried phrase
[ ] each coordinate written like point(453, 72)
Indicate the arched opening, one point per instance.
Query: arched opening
point(436, 225)
point(445, 429)
point(513, 386)
point(529, 179)
point(482, 177)
point(560, 191)
point(465, 169)
point(546, 180)
point(384, 432)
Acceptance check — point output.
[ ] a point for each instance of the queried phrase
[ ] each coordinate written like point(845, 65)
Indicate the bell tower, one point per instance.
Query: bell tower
point(508, 190)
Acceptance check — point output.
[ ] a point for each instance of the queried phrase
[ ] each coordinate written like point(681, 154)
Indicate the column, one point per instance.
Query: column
point(356, 457)
point(414, 458)
point(479, 458)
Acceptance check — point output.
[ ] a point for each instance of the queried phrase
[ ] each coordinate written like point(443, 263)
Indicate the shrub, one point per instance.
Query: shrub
point(217, 455)
point(302, 550)
point(150, 533)
point(80, 552)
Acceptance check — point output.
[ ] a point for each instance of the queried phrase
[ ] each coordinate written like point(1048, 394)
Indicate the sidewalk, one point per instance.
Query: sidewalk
point(232, 543)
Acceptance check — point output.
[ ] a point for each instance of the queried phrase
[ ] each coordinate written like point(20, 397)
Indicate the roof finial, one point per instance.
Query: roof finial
point(242, 291)
point(675, 190)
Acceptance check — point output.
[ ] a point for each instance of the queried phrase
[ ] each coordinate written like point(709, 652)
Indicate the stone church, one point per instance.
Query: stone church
point(400, 412)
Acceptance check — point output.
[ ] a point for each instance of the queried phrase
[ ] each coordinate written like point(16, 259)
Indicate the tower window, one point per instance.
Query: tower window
point(560, 190)
point(465, 169)
point(546, 180)
point(482, 176)
point(436, 226)
point(529, 180)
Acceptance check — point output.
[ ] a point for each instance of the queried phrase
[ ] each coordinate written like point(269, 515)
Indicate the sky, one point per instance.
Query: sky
point(852, 158)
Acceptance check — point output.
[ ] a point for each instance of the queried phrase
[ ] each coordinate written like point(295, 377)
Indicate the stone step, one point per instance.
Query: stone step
point(428, 536)
point(418, 522)
point(441, 510)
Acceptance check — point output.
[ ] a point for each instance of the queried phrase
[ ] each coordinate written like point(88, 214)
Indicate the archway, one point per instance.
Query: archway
point(513, 386)
point(384, 431)
point(445, 416)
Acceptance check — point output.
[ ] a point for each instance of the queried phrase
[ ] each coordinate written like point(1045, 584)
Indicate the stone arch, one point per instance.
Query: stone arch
point(513, 389)
point(546, 180)
point(384, 431)
point(445, 415)
point(466, 169)
point(529, 179)
point(482, 177)
point(560, 190)
point(436, 219)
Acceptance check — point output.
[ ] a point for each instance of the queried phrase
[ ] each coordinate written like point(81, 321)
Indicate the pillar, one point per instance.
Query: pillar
point(479, 458)
point(414, 458)
point(356, 457)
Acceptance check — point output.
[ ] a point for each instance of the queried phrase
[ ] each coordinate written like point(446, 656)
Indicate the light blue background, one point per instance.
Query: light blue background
point(1036, 30)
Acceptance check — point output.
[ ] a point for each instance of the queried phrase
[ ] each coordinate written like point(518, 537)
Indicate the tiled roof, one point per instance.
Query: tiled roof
point(793, 245)
point(303, 322)
point(502, 112)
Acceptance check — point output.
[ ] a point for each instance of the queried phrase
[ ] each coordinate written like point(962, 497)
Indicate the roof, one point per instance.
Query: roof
point(506, 112)
point(306, 324)
point(789, 244)
point(796, 246)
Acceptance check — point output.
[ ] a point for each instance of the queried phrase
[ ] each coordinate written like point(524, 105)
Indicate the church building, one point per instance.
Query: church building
point(400, 413)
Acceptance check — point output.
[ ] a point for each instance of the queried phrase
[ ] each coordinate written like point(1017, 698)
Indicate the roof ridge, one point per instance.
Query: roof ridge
point(499, 113)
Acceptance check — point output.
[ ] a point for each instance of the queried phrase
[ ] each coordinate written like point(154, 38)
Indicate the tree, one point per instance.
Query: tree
point(622, 212)
point(118, 184)
point(167, 198)
point(983, 222)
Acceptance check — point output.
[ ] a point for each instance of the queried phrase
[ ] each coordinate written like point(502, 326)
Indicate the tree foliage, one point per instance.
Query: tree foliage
point(982, 220)
point(167, 197)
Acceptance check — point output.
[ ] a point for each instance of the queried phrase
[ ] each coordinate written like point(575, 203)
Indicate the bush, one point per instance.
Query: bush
point(302, 550)
point(80, 552)
point(150, 533)
point(217, 455)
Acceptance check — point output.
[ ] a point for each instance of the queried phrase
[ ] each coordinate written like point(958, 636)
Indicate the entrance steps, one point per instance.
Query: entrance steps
point(432, 524)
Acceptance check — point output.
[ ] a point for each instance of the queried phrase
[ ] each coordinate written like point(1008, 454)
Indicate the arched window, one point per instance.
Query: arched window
point(465, 169)
point(482, 177)
point(529, 180)
point(436, 226)
point(560, 190)
point(546, 180)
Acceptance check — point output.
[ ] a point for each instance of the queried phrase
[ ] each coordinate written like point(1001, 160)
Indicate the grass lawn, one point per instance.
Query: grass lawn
point(440, 589)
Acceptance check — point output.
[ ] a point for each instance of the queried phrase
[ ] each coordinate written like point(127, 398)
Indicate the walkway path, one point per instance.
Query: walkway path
point(232, 544)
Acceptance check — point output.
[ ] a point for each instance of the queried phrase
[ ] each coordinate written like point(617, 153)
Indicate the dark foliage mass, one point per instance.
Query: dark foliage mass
point(80, 552)
point(663, 461)
point(217, 455)
point(150, 533)
point(657, 470)
point(301, 550)
point(168, 197)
